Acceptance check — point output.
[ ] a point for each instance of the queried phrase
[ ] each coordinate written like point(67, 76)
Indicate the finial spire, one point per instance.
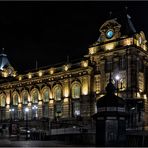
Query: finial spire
point(110, 14)
point(126, 8)
point(3, 50)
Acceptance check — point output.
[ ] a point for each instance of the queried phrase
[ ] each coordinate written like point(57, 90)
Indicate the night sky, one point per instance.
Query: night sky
point(49, 31)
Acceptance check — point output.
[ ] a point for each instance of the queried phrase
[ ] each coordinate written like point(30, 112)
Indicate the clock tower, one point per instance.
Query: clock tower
point(122, 51)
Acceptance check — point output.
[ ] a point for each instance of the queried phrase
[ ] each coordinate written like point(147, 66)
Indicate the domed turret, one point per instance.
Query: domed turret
point(4, 62)
point(5, 66)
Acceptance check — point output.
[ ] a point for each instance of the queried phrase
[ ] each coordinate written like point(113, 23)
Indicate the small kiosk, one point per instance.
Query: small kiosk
point(110, 119)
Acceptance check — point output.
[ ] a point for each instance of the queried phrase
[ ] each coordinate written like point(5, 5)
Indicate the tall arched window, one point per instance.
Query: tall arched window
point(57, 93)
point(2, 100)
point(15, 99)
point(25, 97)
point(46, 95)
point(35, 96)
point(76, 90)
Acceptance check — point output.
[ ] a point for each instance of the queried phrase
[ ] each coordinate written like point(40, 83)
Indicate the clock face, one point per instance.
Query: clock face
point(109, 34)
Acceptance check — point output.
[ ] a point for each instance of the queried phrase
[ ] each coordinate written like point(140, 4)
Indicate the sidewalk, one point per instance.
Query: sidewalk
point(21, 142)
point(28, 143)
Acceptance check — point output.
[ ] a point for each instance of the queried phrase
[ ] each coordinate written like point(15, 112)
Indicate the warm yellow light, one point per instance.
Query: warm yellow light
point(19, 105)
point(138, 94)
point(66, 90)
point(66, 67)
point(14, 74)
point(65, 100)
point(19, 100)
point(29, 104)
point(7, 106)
point(29, 75)
point(20, 77)
point(84, 63)
point(8, 99)
point(5, 74)
point(109, 46)
point(144, 96)
point(101, 95)
point(127, 42)
point(51, 101)
point(50, 95)
point(40, 73)
point(40, 103)
point(144, 47)
point(29, 98)
point(85, 86)
point(85, 89)
point(51, 71)
point(92, 50)
point(140, 90)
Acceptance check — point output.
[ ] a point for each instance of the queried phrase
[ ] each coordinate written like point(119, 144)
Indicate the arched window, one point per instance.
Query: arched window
point(57, 93)
point(46, 95)
point(35, 96)
point(76, 90)
point(15, 99)
point(25, 97)
point(3, 101)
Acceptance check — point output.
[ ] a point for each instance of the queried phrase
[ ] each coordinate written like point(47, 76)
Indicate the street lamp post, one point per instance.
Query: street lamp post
point(34, 108)
point(117, 77)
point(26, 111)
point(11, 110)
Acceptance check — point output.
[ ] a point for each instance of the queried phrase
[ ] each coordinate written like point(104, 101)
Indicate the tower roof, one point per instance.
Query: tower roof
point(4, 62)
point(115, 27)
point(127, 25)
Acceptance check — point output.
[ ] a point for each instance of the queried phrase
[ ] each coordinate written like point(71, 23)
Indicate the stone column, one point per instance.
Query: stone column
point(65, 113)
point(51, 109)
point(7, 111)
point(103, 80)
point(19, 111)
point(40, 110)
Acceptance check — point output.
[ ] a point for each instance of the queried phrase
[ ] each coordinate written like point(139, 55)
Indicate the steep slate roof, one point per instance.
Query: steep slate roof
point(127, 25)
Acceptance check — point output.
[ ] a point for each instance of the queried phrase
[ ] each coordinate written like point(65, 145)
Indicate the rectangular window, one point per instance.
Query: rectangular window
point(108, 66)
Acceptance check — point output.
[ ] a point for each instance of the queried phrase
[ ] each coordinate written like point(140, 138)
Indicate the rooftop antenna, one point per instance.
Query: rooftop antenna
point(110, 14)
point(126, 8)
point(67, 59)
point(3, 50)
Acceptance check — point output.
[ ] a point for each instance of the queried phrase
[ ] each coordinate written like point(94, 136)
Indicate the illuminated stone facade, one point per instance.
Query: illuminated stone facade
point(71, 90)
